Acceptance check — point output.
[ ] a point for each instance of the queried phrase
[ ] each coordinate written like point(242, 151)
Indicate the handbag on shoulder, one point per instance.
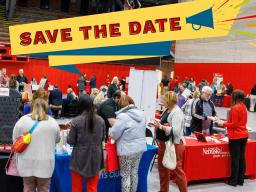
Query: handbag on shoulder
point(23, 141)
point(169, 159)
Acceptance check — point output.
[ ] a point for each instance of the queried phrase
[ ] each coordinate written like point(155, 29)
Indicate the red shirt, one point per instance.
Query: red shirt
point(236, 124)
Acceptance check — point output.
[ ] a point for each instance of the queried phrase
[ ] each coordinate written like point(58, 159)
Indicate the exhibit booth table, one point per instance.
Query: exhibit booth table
point(108, 181)
point(204, 161)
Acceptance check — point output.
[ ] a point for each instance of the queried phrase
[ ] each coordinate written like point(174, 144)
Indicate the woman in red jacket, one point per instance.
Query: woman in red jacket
point(238, 135)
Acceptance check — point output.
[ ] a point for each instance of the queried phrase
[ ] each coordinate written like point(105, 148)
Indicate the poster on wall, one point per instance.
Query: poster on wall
point(219, 77)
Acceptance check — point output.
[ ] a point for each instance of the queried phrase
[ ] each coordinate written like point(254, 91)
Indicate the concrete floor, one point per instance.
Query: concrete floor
point(249, 186)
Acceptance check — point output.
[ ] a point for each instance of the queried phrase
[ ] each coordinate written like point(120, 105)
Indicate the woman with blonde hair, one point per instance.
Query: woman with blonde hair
point(113, 87)
point(187, 108)
point(129, 132)
point(175, 118)
point(36, 163)
point(40, 93)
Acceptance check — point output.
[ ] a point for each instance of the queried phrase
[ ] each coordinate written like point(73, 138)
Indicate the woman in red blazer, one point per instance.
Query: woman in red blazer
point(238, 135)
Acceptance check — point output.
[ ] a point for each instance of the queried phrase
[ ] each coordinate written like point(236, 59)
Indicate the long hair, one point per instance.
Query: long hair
point(40, 93)
point(85, 104)
point(237, 97)
point(13, 81)
point(39, 110)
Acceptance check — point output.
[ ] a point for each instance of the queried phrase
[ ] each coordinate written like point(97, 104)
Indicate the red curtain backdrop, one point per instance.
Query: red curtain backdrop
point(38, 68)
point(241, 75)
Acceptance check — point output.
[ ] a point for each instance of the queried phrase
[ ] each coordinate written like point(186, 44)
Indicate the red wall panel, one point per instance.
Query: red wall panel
point(241, 75)
point(38, 68)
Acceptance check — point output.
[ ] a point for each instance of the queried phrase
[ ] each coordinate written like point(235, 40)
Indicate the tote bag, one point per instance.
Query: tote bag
point(11, 167)
point(169, 159)
point(112, 162)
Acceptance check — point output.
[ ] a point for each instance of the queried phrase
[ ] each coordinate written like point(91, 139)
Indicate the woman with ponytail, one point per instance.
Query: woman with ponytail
point(86, 135)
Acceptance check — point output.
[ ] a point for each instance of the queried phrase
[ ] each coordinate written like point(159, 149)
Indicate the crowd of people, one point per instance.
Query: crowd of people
point(107, 114)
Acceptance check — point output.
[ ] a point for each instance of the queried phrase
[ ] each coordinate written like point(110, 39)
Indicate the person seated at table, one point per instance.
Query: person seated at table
point(187, 109)
point(22, 80)
point(86, 135)
point(36, 163)
point(238, 136)
point(203, 113)
point(40, 93)
point(129, 132)
point(71, 96)
point(175, 118)
point(55, 101)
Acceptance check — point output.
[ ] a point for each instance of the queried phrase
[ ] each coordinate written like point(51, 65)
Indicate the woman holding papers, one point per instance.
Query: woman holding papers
point(238, 135)
point(175, 131)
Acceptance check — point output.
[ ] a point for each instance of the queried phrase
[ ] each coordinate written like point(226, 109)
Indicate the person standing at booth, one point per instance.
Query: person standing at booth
point(238, 136)
point(113, 87)
point(129, 132)
point(253, 99)
point(203, 113)
point(36, 163)
point(81, 82)
point(86, 135)
point(175, 119)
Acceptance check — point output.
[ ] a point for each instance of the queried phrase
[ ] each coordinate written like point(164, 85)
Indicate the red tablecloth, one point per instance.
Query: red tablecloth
point(227, 100)
point(203, 161)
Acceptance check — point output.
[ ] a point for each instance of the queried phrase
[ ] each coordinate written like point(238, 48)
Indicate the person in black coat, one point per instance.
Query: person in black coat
point(113, 87)
point(86, 135)
point(229, 89)
point(55, 101)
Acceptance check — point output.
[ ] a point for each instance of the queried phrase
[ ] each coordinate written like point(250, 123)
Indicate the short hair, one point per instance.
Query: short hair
point(206, 89)
point(124, 101)
point(196, 94)
point(117, 94)
point(237, 96)
point(171, 98)
point(56, 86)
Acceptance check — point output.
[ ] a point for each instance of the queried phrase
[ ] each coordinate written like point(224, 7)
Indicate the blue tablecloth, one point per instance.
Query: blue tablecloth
point(108, 182)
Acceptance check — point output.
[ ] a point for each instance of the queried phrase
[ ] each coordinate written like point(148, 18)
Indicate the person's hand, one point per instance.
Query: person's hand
point(156, 123)
point(211, 118)
point(220, 123)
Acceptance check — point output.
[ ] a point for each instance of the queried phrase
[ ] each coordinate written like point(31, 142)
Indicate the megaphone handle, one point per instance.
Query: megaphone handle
point(195, 27)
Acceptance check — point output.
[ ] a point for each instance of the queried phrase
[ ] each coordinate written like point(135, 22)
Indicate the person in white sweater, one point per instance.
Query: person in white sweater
point(36, 163)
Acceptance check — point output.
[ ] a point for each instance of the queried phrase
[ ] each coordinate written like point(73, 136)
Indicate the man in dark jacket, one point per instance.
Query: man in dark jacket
point(22, 80)
point(107, 110)
point(55, 101)
point(203, 113)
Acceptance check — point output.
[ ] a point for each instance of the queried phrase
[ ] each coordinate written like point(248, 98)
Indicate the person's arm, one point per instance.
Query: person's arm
point(176, 124)
point(72, 134)
point(57, 140)
point(111, 121)
point(117, 130)
point(234, 116)
point(183, 108)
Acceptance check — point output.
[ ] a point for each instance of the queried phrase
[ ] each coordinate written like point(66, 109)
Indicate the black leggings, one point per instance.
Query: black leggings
point(237, 151)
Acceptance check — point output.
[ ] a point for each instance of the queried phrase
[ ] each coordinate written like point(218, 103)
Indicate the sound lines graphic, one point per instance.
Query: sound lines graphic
point(240, 18)
point(240, 32)
point(242, 4)
point(221, 5)
point(253, 44)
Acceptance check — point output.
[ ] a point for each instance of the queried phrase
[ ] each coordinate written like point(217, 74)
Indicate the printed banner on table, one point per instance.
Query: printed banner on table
point(190, 20)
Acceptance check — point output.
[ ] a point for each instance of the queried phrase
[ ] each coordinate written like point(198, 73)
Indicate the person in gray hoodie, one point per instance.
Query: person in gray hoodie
point(129, 132)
